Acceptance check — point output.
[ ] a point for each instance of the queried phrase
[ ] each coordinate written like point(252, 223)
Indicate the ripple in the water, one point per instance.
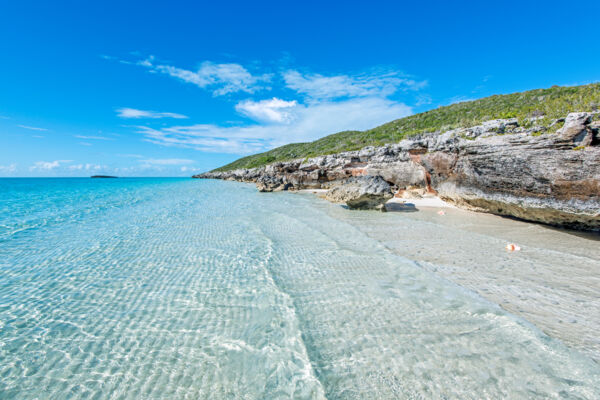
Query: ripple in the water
point(146, 288)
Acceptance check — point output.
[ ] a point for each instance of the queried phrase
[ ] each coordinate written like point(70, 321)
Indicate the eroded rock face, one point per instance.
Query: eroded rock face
point(270, 183)
point(361, 192)
point(498, 167)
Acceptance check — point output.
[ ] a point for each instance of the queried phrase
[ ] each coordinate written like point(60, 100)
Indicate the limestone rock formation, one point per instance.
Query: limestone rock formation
point(532, 172)
point(270, 183)
point(577, 129)
point(361, 192)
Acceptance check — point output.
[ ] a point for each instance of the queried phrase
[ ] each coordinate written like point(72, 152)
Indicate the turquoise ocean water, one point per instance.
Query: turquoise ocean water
point(190, 289)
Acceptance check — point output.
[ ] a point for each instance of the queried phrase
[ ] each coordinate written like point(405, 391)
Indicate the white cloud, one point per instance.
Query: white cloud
point(86, 167)
point(166, 161)
point(270, 110)
point(134, 113)
point(220, 78)
point(32, 128)
point(309, 123)
point(228, 78)
point(459, 99)
point(8, 168)
point(326, 105)
point(92, 137)
point(320, 87)
point(423, 99)
point(129, 155)
point(47, 165)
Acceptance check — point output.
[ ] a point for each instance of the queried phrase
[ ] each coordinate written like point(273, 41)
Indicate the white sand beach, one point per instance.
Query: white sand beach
point(552, 282)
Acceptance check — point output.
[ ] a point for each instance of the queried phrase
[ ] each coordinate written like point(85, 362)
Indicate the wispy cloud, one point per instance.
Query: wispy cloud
point(32, 128)
point(375, 84)
point(270, 110)
point(92, 137)
point(459, 99)
point(7, 169)
point(166, 161)
point(48, 165)
point(423, 99)
point(135, 113)
point(307, 122)
point(129, 155)
point(221, 79)
point(226, 78)
point(86, 167)
point(314, 105)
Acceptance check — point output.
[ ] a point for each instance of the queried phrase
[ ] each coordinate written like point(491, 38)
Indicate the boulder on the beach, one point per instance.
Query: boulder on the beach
point(361, 192)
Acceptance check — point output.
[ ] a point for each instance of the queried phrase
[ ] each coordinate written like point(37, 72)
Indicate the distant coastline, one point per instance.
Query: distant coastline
point(103, 176)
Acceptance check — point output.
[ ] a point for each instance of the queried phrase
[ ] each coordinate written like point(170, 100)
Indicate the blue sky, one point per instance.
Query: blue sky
point(169, 89)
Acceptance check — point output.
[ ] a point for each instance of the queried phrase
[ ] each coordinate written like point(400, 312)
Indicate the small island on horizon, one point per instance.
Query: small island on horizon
point(102, 176)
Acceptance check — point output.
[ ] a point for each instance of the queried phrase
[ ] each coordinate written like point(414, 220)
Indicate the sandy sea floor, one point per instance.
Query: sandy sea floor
point(552, 282)
point(179, 288)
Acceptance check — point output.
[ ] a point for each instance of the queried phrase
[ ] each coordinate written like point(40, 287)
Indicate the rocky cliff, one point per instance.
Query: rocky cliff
point(541, 174)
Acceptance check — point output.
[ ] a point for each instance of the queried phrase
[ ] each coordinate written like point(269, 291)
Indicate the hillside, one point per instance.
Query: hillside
point(549, 104)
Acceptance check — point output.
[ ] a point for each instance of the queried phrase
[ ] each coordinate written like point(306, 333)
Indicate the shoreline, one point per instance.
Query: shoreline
point(271, 295)
point(429, 201)
point(553, 282)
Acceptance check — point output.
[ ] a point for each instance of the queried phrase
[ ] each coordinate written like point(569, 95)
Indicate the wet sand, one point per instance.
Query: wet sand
point(552, 282)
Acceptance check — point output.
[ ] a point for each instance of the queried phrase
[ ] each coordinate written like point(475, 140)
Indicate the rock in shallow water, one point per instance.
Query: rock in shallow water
point(361, 192)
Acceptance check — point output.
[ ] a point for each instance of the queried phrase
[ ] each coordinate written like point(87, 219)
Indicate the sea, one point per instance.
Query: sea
point(165, 288)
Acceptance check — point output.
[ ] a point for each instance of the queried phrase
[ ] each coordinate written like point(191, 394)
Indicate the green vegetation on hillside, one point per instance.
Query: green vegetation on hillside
point(552, 103)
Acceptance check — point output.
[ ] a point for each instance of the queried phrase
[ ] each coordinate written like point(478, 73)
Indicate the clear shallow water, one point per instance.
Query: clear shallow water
point(553, 282)
point(165, 288)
